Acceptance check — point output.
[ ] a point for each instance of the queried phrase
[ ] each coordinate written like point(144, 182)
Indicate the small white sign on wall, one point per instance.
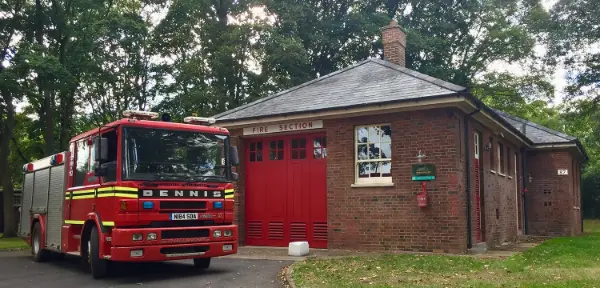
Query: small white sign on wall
point(563, 172)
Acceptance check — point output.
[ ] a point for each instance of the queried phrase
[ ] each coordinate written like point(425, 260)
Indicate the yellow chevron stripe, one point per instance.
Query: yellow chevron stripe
point(76, 222)
point(229, 190)
point(81, 222)
point(229, 196)
point(124, 195)
point(83, 197)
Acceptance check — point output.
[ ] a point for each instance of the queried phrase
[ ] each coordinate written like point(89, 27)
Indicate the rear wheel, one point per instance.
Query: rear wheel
point(39, 254)
point(202, 263)
point(98, 265)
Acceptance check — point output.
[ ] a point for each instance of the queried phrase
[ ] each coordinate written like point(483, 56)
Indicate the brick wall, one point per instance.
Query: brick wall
point(550, 197)
point(239, 208)
point(498, 190)
point(388, 218)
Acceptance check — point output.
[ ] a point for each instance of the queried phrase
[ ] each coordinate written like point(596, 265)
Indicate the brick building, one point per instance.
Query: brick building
point(340, 161)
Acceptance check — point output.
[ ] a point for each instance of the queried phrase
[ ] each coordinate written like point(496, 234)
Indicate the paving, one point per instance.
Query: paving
point(18, 270)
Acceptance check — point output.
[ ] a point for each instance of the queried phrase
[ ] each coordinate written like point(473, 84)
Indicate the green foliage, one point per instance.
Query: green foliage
point(559, 262)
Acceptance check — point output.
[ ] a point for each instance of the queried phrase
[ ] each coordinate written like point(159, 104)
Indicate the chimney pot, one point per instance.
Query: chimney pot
point(394, 43)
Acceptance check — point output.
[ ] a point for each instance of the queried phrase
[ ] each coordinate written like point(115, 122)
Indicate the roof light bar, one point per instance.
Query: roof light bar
point(199, 120)
point(28, 167)
point(140, 114)
point(57, 159)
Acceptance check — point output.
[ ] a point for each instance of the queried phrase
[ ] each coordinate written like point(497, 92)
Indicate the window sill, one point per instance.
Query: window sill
point(510, 177)
point(503, 175)
point(366, 185)
point(492, 171)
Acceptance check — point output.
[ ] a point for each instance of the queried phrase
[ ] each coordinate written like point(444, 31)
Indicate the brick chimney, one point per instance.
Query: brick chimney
point(394, 43)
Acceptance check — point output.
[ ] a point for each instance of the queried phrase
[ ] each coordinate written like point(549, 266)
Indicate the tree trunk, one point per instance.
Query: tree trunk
point(5, 173)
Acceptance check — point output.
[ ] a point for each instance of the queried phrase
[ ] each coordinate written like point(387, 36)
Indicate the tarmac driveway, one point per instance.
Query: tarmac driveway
point(18, 270)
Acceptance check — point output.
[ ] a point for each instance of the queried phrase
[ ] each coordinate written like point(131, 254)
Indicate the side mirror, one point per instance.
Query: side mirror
point(233, 155)
point(101, 150)
point(235, 176)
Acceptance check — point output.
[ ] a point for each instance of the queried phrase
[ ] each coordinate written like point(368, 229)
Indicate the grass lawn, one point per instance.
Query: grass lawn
point(12, 243)
point(559, 262)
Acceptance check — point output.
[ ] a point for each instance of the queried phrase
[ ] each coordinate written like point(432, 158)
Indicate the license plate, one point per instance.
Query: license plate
point(184, 216)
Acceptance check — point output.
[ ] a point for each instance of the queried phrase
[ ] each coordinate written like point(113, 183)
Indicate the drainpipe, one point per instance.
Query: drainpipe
point(468, 172)
point(525, 180)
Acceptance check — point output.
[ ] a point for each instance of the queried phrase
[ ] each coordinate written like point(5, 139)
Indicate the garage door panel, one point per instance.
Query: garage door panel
point(290, 184)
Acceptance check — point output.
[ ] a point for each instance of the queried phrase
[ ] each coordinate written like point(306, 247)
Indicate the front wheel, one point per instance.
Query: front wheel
point(39, 254)
point(98, 266)
point(202, 263)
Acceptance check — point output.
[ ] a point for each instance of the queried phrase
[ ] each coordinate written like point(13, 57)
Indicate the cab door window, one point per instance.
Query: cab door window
point(82, 162)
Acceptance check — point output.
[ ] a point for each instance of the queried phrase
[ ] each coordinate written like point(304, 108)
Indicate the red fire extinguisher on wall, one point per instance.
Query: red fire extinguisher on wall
point(422, 197)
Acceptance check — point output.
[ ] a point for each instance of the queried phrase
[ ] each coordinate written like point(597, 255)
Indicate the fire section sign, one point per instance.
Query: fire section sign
point(284, 127)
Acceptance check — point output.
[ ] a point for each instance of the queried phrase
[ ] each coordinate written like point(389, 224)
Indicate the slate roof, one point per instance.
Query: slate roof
point(536, 133)
point(372, 81)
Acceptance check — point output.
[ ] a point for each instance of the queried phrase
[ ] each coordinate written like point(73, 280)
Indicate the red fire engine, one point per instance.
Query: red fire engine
point(134, 190)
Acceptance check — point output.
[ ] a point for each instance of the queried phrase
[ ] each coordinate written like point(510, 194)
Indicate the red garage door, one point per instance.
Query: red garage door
point(286, 190)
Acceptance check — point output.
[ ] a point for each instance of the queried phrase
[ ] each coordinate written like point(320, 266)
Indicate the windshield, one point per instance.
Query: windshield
point(153, 154)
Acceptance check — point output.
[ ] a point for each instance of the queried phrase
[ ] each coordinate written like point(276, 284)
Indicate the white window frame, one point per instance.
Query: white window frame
point(499, 158)
point(375, 181)
point(476, 144)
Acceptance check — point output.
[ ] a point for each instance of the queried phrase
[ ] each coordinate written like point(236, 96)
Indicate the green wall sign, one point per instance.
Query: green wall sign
point(423, 172)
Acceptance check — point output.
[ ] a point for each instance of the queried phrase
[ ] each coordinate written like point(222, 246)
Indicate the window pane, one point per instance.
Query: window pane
point(252, 146)
point(294, 154)
point(324, 153)
point(252, 157)
point(280, 155)
point(386, 150)
point(302, 143)
point(317, 142)
point(374, 134)
point(375, 169)
point(273, 145)
point(259, 156)
point(273, 155)
point(280, 144)
point(259, 146)
point(362, 135)
point(324, 141)
point(303, 154)
point(364, 169)
point(386, 135)
point(386, 169)
point(317, 153)
point(374, 151)
point(362, 152)
point(294, 144)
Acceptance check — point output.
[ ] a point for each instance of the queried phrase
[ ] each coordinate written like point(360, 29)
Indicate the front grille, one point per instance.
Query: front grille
point(164, 205)
point(182, 223)
point(184, 250)
point(171, 234)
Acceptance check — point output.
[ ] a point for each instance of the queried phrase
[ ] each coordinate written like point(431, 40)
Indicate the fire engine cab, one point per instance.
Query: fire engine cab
point(134, 190)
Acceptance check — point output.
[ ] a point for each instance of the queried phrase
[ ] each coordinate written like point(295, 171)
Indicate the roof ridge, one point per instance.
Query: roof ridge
point(370, 59)
point(538, 126)
point(436, 81)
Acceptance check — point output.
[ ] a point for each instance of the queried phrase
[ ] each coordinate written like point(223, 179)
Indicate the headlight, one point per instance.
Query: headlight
point(217, 233)
point(137, 237)
point(151, 236)
point(227, 233)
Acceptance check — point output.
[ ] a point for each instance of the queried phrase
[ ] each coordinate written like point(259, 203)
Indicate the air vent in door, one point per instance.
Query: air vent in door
point(255, 230)
point(275, 231)
point(298, 231)
point(320, 231)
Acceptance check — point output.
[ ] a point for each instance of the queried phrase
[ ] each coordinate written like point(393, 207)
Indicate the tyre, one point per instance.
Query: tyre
point(39, 254)
point(202, 263)
point(98, 266)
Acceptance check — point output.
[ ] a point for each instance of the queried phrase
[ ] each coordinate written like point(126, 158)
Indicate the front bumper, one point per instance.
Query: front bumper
point(171, 252)
point(171, 243)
